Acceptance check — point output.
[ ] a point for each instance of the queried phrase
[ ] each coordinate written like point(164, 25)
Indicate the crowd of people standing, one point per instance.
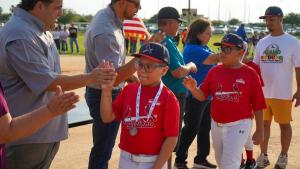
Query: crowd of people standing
point(61, 36)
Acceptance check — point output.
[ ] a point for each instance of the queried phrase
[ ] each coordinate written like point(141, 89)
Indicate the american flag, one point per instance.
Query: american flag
point(135, 27)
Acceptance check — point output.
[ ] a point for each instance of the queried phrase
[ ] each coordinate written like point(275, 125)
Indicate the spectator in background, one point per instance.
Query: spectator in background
point(177, 38)
point(63, 36)
point(242, 33)
point(73, 37)
point(56, 35)
point(183, 36)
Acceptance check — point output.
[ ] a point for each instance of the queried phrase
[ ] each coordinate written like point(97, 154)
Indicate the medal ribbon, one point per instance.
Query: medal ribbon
point(138, 98)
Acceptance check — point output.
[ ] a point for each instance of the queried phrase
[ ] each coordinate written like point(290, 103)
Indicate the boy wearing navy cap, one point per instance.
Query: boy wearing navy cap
point(237, 93)
point(148, 110)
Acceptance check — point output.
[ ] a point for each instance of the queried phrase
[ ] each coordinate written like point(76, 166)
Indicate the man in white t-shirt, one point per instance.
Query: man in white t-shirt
point(277, 54)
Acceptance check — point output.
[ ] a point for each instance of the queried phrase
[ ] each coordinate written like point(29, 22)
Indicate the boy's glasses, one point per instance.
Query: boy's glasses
point(228, 50)
point(148, 68)
point(136, 3)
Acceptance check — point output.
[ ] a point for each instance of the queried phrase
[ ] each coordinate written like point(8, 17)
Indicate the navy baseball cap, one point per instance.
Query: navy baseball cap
point(231, 40)
point(169, 13)
point(272, 11)
point(154, 51)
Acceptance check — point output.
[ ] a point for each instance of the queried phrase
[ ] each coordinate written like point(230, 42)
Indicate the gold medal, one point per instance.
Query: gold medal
point(133, 131)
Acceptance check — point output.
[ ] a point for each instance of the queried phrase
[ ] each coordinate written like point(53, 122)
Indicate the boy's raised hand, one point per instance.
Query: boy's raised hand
point(190, 83)
point(62, 102)
point(108, 75)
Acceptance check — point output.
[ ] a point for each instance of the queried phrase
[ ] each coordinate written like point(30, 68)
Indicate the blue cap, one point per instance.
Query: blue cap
point(272, 11)
point(231, 40)
point(155, 52)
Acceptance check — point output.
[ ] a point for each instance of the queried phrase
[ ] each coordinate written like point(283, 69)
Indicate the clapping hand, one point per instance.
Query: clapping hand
point(62, 102)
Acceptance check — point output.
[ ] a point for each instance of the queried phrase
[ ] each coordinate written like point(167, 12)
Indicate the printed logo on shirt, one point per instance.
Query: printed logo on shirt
point(229, 96)
point(272, 54)
point(144, 121)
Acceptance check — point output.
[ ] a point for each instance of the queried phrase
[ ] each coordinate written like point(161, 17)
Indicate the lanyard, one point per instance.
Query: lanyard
point(138, 98)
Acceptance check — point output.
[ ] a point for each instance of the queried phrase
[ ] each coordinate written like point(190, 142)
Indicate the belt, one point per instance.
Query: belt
point(231, 123)
point(140, 158)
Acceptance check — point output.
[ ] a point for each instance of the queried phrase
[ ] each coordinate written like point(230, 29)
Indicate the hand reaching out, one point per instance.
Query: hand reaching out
point(190, 83)
point(62, 102)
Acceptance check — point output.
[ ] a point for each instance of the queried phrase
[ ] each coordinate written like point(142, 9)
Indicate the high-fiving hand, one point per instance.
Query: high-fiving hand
point(108, 75)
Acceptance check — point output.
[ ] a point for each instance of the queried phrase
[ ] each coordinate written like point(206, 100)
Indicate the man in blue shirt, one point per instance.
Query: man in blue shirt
point(168, 22)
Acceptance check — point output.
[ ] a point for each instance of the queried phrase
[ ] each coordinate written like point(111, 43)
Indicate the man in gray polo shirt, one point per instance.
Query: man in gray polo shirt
point(29, 73)
point(105, 41)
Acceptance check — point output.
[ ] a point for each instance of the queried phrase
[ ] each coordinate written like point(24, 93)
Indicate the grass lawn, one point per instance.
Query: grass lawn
point(214, 38)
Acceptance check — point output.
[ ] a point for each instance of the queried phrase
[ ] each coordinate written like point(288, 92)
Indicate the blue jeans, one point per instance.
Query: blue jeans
point(104, 134)
point(74, 40)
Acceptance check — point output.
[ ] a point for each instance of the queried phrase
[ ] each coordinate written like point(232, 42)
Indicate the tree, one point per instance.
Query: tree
point(153, 19)
point(218, 23)
point(4, 17)
point(292, 19)
point(70, 15)
point(233, 21)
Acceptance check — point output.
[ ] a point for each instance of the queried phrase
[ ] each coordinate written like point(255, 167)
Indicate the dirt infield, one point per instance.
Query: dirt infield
point(74, 152)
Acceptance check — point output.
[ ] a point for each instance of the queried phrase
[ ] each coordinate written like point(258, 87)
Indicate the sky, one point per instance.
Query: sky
point(244, 10)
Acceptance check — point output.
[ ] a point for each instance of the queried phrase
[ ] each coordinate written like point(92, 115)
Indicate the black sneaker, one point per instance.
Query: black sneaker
point(205, 165)
point(180, 166)
point(250, 164)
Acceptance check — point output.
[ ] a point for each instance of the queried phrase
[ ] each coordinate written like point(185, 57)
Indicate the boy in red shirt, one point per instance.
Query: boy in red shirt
point(149, 111)
point(237, 93)
point(250, 162)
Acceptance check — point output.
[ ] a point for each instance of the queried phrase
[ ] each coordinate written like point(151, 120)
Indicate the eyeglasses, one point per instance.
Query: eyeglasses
point(136, 3)
point(228, 50)
point(148, 68)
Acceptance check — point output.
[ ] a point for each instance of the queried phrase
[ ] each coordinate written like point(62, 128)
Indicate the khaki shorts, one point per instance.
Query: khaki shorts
point(280, 109)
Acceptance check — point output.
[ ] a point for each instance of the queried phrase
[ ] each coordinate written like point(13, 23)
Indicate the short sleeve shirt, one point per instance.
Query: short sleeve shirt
point(236, 93)
point(3, 111)
point(176, 61)
point(277, 56)
point(163, 122)
point(29, 63)
point(198, 54)
point(105, 41)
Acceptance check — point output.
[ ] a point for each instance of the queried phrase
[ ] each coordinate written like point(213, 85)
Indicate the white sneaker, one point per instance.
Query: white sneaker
point(262, 161)
point(281, 162)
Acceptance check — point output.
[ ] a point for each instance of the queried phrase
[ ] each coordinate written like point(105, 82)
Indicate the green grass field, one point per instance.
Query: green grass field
point(214, 38)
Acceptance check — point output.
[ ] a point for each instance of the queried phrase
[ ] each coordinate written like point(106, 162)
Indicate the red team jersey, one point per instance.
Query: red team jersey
point(257, 70)
point(164, 121)
point(236, 93)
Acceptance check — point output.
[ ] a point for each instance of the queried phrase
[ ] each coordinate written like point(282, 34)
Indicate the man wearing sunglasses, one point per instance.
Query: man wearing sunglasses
point(105, 41)
point(277, 55)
